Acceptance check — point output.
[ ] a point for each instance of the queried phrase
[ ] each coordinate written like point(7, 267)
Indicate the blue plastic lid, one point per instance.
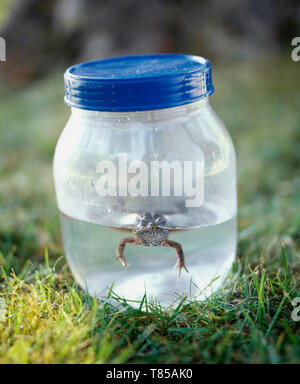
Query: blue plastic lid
point(138, 83)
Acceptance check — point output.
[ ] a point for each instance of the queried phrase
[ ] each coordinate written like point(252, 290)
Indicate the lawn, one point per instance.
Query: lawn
point(45, 318)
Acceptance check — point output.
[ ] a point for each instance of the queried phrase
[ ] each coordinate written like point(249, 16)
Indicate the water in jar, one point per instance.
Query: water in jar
point(209, 251)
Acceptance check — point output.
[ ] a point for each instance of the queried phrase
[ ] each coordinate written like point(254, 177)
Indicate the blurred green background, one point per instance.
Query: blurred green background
point(256, 95)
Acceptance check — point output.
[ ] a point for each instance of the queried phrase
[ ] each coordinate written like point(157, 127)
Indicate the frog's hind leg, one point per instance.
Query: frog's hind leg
point(180, 256)
point(121, 247)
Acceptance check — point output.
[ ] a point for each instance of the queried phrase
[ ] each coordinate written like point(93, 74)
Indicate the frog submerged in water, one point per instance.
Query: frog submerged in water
point(152, 231)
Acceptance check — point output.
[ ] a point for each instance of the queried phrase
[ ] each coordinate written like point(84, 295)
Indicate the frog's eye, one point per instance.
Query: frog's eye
point(161, 221)
point(145, 221)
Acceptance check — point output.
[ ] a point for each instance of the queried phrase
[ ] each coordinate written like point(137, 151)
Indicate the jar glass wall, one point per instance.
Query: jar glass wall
point(94, 223)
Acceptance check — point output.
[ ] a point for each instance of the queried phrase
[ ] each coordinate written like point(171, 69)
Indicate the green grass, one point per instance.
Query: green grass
point(45, 318)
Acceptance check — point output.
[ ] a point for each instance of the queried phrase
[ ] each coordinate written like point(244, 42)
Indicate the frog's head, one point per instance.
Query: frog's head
point(152, 230)
point(152, 222)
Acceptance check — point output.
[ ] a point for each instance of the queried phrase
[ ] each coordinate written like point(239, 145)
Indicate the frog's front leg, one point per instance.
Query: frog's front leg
point(180, 256)
point(121, 247)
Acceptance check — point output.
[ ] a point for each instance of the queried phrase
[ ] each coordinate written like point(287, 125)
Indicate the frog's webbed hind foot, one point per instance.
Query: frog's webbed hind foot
point(180, 256)
point(121, 247)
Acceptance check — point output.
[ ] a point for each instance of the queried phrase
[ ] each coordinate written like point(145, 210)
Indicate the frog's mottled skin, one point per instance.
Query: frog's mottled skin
point(151, 231)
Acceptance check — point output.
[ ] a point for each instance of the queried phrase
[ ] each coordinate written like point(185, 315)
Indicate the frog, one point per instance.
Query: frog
point(152, 230)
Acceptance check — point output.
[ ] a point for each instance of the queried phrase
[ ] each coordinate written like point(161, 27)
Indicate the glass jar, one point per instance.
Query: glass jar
point(145, 177)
